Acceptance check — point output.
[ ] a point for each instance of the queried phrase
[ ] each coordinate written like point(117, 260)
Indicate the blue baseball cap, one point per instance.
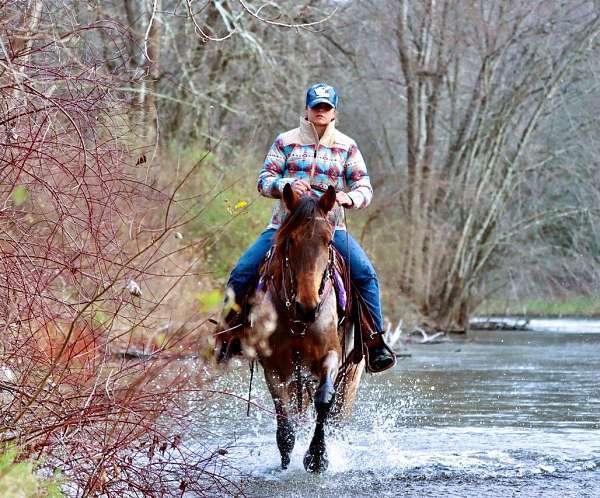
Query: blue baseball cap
point(321, 93)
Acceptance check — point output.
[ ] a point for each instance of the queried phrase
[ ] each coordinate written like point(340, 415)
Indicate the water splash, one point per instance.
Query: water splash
point(515, 417)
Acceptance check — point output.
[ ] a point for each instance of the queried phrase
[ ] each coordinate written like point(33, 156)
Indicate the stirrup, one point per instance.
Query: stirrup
point(373, 369)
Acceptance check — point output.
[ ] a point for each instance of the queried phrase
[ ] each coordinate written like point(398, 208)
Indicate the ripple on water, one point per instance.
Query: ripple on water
point(503, 419)
point(382, 462)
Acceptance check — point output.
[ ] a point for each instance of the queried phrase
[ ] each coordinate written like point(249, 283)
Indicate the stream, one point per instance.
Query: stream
point(487, 414)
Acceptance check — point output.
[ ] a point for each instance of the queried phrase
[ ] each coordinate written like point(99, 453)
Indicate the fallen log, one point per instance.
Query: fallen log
point(500, 325)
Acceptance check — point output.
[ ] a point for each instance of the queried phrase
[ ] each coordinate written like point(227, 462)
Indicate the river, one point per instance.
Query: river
point(489, 414)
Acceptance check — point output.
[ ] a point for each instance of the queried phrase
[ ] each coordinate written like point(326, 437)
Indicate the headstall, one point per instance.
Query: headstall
point(288, 288)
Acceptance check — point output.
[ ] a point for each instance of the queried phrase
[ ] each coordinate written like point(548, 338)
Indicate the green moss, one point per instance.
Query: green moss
point(20, 479)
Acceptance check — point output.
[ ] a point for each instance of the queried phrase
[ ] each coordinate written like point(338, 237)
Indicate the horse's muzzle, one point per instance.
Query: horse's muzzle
point(305, 314)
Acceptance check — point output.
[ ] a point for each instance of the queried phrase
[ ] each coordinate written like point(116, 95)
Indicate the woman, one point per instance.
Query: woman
point(310, 158)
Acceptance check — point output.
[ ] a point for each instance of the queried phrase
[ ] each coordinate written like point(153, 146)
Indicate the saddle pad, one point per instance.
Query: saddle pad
point(340, 289)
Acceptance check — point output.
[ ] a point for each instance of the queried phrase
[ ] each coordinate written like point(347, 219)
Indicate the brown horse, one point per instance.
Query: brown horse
point(309, 356)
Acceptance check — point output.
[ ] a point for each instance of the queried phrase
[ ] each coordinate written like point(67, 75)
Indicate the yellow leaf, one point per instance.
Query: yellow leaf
point(19, 195)
point(159, 340)
point(210, 301)
point(241, 204)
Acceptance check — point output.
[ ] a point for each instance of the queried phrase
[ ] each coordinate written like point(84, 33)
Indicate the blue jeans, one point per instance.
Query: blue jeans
point(362, 272)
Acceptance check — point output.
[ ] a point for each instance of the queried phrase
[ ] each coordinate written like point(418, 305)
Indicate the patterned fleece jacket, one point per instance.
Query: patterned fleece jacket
point(332, 160)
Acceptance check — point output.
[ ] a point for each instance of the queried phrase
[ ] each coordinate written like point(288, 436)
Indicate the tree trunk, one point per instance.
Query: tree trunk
point(457, 194)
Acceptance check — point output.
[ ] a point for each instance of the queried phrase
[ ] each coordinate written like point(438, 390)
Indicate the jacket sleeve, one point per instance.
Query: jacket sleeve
point(270, 178)
point(357, 179)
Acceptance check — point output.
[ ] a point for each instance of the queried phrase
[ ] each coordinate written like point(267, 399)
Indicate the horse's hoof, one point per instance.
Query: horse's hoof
point(285, 461)
point(315, 464)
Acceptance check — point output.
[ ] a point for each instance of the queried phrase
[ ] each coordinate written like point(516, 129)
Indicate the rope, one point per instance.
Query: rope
point(347, 242)
point(250, 387)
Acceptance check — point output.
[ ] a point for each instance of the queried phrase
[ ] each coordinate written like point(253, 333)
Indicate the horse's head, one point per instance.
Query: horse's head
point(304, 239)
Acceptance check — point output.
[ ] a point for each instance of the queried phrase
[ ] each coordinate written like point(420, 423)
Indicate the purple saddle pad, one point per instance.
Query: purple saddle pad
point(261, 286)
point(340, 290)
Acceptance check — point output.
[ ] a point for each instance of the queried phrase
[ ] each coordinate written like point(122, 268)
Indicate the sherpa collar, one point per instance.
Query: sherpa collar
point(309, 135)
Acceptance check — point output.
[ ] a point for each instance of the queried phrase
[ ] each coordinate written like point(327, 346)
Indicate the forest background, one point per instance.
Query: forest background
point(131, 134)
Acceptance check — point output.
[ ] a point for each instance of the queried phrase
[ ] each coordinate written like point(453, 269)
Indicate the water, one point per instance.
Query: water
point(492, 414)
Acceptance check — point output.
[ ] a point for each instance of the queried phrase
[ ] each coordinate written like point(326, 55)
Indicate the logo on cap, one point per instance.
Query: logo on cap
point(322, 91)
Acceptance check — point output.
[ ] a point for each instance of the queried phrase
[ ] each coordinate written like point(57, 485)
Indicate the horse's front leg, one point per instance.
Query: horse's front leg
point(315, 459)
point(286, 436)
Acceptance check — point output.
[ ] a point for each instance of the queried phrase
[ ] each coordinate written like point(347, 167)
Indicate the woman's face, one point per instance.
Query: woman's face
point(320, 115)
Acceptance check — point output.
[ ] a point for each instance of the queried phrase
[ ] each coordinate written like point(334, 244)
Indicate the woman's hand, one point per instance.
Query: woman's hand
point(301, 187)
point(343, 199)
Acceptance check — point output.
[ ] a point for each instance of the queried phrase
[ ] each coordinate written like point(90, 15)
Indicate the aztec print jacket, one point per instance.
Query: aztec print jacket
point(333, 160)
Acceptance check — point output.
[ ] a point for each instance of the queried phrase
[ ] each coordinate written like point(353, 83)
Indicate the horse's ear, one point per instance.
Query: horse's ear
point(290, 197)
point(327, 200)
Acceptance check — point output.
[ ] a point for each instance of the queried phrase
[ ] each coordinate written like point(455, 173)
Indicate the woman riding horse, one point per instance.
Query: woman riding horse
point(310, 158)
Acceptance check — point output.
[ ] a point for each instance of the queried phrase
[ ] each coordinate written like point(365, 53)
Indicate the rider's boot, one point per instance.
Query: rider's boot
point(380, 357)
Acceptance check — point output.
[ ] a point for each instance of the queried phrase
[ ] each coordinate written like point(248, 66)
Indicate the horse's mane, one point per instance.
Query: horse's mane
point(306, 211)
point(304, 214)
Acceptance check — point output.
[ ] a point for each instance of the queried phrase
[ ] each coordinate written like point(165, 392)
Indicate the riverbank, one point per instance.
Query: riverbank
point(545, 324)
point(576, 306)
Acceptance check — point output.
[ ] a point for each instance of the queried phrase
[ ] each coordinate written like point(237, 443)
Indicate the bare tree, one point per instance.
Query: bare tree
point(466, 85)
point(201, 71)
point(558, 256)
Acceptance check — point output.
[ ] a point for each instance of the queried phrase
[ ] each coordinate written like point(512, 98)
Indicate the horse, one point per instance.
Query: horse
point(308, 354)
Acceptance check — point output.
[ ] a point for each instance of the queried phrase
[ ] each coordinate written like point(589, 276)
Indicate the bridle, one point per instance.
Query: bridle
point(287, 297)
